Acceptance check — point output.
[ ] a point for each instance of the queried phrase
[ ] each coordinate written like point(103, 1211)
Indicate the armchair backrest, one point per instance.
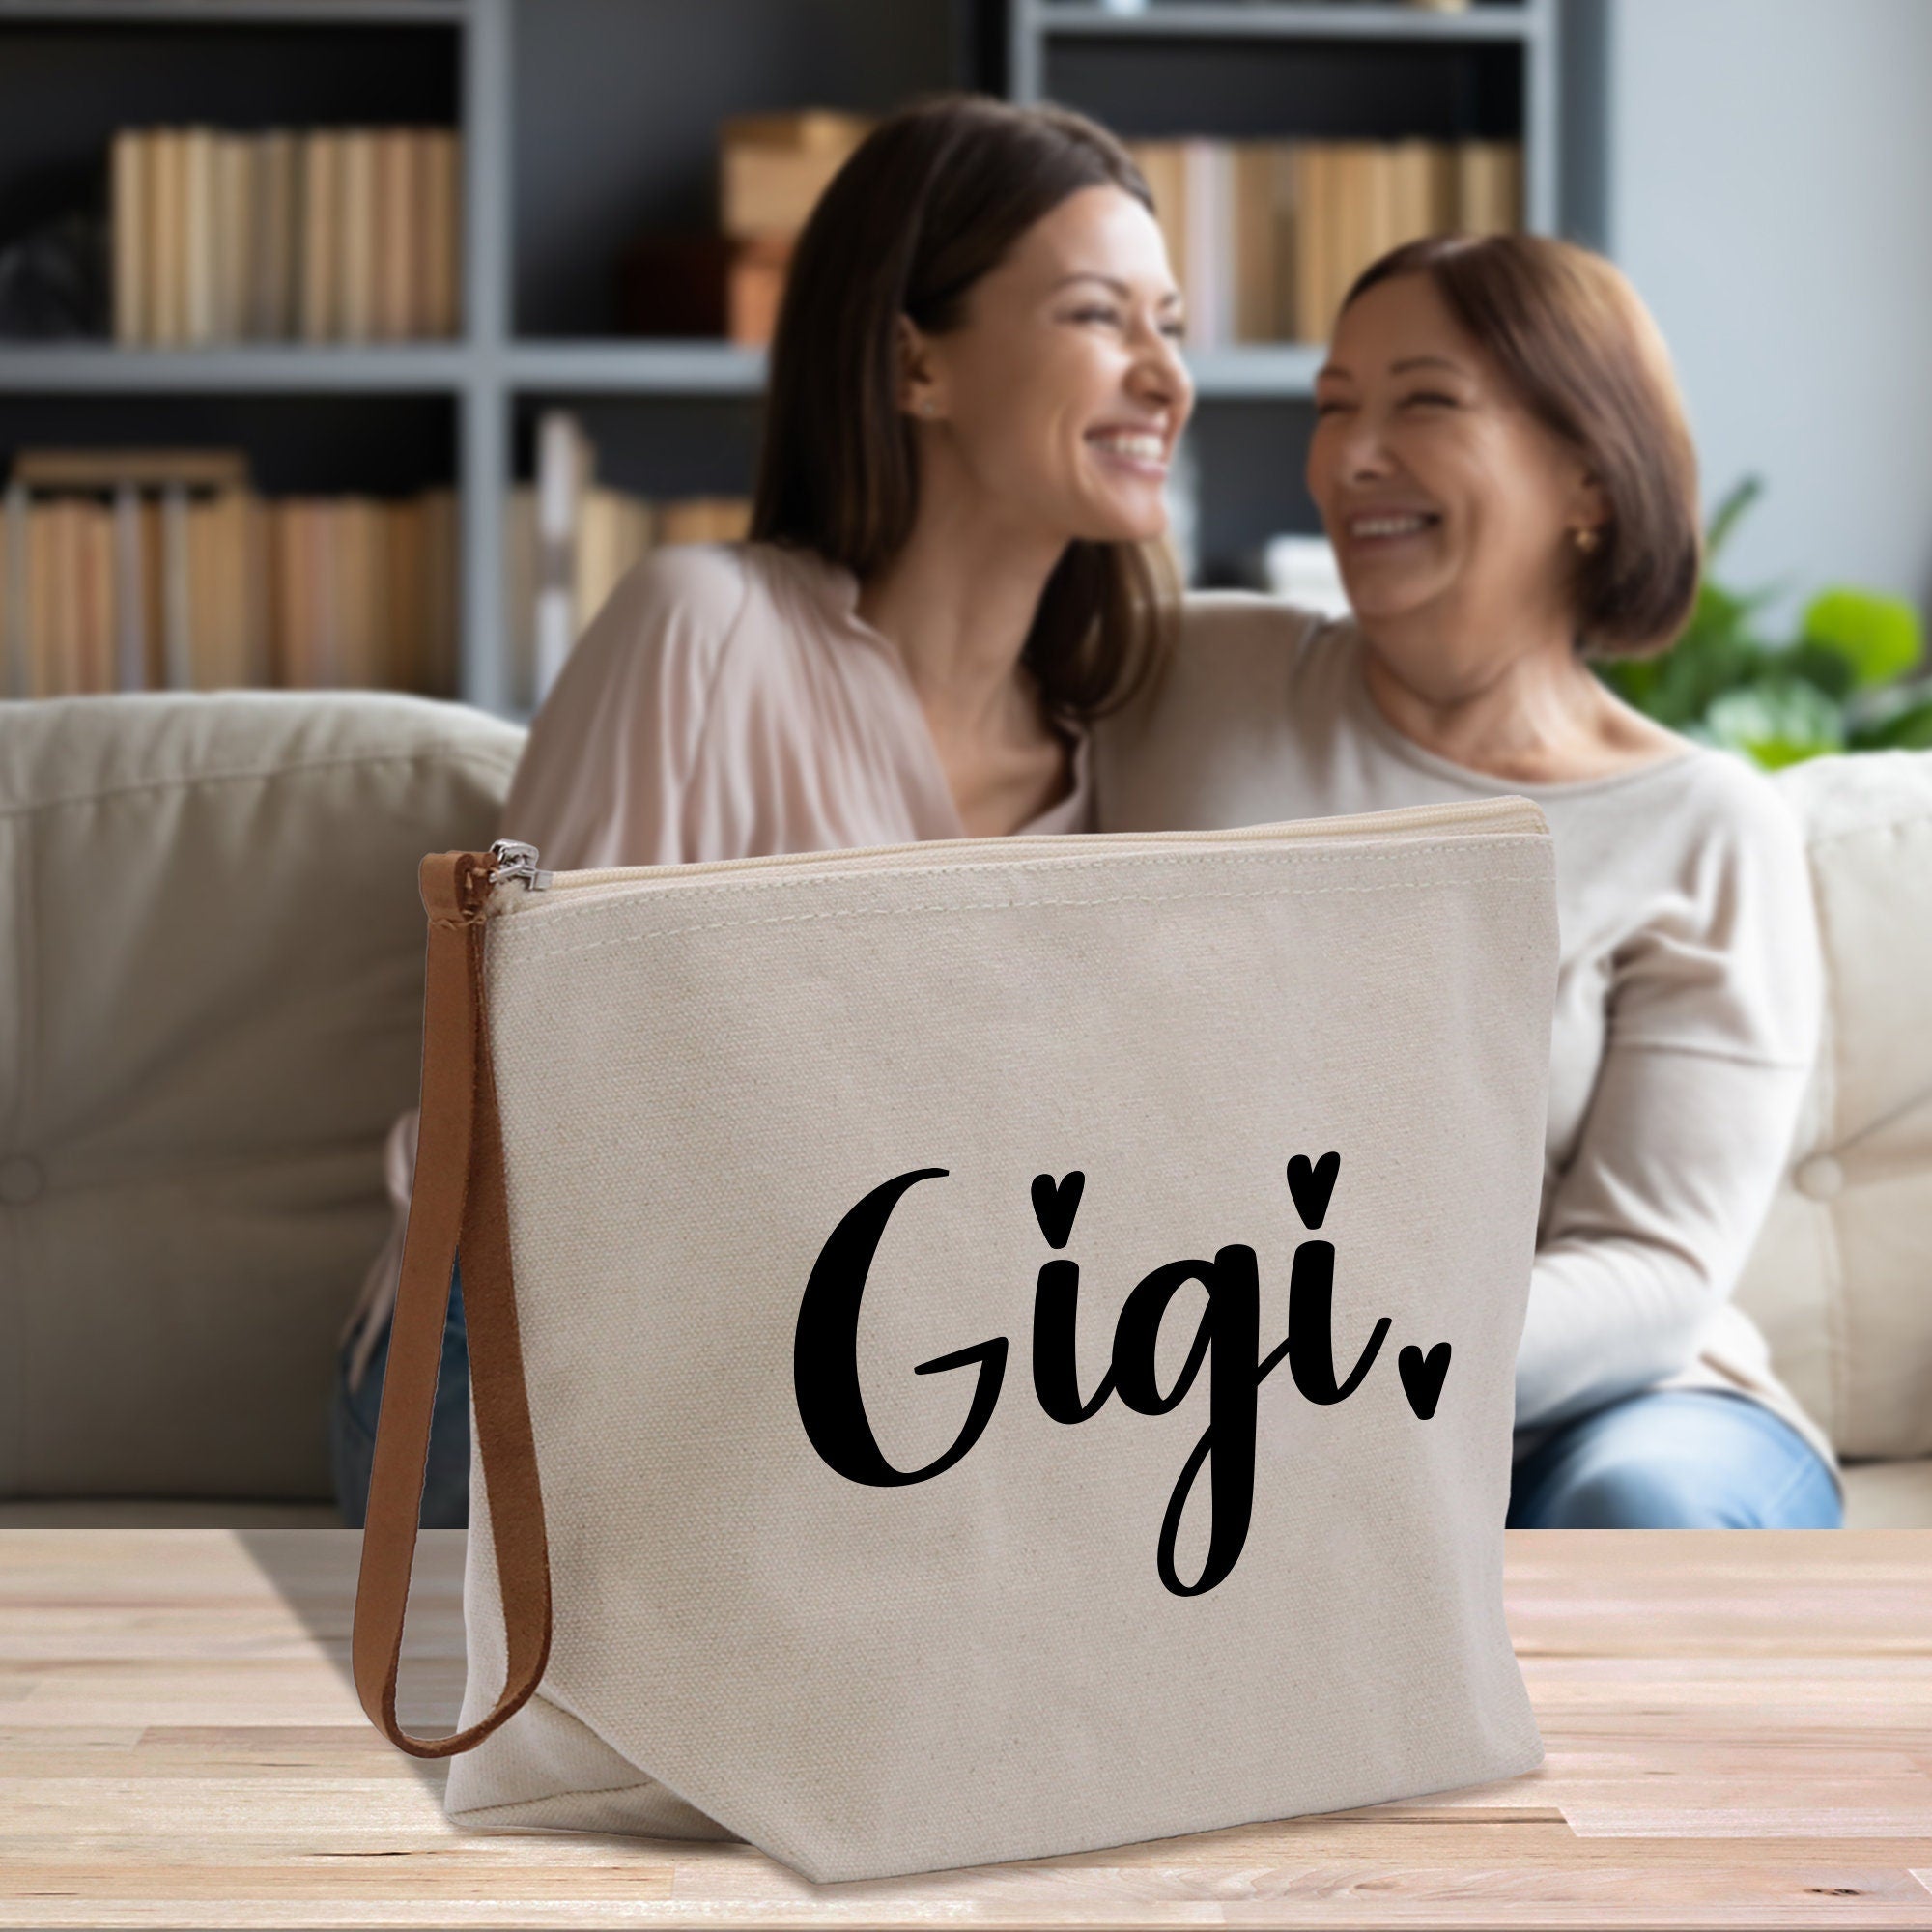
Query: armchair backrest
point(1841, 1278)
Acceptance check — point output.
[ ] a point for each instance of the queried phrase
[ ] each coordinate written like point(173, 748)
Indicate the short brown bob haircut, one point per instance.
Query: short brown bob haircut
point(930, 201)
point(1574, 342)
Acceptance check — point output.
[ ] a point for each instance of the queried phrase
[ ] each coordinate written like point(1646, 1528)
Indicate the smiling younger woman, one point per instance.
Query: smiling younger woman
point(975, 392)
point(1500, 460)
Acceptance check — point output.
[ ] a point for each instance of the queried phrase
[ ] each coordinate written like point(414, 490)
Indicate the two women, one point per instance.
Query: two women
point(954, 618)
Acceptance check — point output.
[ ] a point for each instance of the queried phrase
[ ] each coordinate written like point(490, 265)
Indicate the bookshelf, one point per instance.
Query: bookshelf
point(583, 121)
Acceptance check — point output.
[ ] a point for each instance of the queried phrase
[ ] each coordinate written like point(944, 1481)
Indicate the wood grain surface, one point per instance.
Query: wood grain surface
point(1737, 1727)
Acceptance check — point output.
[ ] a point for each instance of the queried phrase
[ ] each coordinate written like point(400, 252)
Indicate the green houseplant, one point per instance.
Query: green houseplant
point(1842, 683)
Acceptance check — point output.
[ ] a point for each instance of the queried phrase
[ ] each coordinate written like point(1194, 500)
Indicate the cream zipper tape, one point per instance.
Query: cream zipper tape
point(517, 863)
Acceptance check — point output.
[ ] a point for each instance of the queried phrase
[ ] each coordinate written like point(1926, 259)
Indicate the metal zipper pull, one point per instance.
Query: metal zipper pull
point(517, 861)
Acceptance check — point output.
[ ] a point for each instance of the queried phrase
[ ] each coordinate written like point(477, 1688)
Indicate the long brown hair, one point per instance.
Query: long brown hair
point(1574, 342)
point(931, 200)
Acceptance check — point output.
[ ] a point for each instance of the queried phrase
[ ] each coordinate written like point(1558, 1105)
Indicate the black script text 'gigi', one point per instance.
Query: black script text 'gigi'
point(825, 1369)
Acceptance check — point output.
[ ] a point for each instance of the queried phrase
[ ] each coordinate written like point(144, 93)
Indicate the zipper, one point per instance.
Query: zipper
point(517, 865)
point(516, 862)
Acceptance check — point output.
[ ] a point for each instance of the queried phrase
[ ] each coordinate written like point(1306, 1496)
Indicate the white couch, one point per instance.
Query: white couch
point(210, 985)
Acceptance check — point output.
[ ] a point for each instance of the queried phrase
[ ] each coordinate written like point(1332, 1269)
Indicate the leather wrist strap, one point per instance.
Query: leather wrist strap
point(457, 1203)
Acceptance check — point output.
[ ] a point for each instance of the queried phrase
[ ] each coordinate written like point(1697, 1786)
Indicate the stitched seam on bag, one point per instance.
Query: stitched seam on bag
point(1071, 863)
point(1002, 905)
point(551, 1797)
point(555, 909)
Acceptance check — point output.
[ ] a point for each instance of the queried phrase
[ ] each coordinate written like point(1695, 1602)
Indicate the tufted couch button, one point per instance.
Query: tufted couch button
point(20, 1180)
point(1821, 1178)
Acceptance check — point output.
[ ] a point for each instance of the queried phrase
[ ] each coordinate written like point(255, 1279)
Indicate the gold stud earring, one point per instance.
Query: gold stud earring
point(1586, 539)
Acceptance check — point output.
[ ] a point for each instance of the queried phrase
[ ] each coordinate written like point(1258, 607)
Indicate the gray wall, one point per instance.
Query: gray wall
point(1769, 192)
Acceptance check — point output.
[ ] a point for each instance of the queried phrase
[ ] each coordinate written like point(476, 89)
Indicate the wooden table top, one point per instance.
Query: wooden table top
point(1738, 1728)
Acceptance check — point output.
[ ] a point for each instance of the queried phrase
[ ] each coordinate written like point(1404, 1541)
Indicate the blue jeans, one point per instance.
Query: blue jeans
point(1674, 1459)
point(351, 1428)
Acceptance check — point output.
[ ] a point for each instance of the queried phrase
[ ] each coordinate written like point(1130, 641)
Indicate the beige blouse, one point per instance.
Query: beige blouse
point(727, 703)
point(1688, 994)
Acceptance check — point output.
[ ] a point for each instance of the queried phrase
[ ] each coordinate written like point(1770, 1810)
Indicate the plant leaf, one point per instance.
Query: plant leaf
point(1743, 494)
point(1878, 637)
point(1777, 722)
point(1907, 731)
point(1830, 670)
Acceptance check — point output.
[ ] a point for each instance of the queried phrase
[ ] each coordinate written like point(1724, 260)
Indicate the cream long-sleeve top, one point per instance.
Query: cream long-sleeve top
point(727, 703)
point(1687, 997)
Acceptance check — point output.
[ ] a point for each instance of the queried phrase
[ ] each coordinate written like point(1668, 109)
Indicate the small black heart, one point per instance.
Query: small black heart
point(1422, 1376)
point(1055, 1204)
point(1312, 1184)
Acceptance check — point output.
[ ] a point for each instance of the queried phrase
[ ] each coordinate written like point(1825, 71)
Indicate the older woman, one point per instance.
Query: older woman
point(976, 387)
point(1501, 462)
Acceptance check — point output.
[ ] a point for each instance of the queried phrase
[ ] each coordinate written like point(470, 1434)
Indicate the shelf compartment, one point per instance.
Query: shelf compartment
point(67, 82)
point(365, 598)
point(617, 114)
point(1183, 85)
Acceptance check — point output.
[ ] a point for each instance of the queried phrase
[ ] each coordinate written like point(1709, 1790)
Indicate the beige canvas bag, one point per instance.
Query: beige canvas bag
point(979, 1349)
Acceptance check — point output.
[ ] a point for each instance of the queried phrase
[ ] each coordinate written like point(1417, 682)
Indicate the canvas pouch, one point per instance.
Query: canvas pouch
point(979, 1349)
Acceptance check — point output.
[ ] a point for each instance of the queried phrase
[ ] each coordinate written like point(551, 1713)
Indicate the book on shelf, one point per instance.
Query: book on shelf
point(566, 466)
point(164, 570)
point(704, 286)
point(395, 238)
point(437, 299)
point(772, 169)
point(355, 235)
point(128, 227)
point(318, 216)
point(199, 219)
point(571, 539)
point(273, 218)
point(316, 234)
point(1265, 237)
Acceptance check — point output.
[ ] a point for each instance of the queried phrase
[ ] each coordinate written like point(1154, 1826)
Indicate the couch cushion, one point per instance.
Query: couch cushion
point(1841, 1278)
point(211, 1002)
point(1888, 1496)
